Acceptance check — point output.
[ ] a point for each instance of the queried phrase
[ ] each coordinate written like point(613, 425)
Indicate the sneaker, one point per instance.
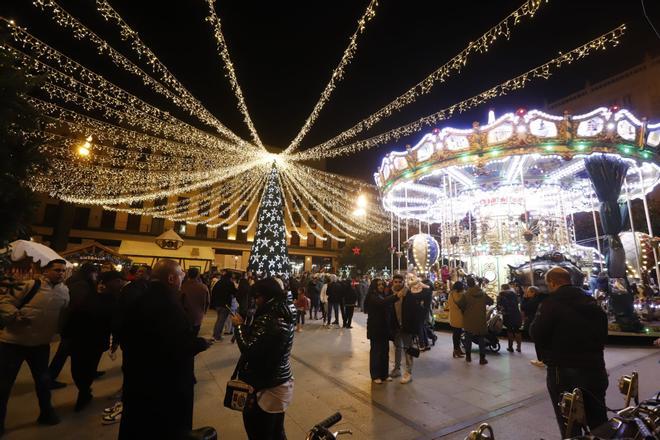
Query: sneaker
point(537, 363)
point(55, 385)
point(113, 408)
point(111, 419)
point(378, 381)
point(407, 377)
point(395, 373)
point(49, 418)
point(388, 379)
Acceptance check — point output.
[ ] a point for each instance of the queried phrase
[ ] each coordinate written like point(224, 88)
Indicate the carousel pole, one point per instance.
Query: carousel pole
point(391, 242)
point(593, 214)
point(565, 220)
point(632, 227)
point(470, 239)
point(529, 243)
point(648, 222)
point(451, 219)
point(398, 242)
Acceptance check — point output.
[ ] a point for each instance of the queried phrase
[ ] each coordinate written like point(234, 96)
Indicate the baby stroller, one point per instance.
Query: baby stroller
point(494, 322)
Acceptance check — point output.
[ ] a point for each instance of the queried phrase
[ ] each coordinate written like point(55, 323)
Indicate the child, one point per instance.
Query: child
point(302, 304)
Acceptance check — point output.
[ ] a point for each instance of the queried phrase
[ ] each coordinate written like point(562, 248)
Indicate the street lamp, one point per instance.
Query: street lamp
point(361, 203)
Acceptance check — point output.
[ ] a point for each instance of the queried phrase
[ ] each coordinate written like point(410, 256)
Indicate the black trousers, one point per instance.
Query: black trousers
point(84, 362)
point(592, 382)
point(379, 358)
point(260, 425)
point(480, 342)
point(333, 306)
point(347, 317)
point(456, 337)
point(11, 359)
point(57, 363)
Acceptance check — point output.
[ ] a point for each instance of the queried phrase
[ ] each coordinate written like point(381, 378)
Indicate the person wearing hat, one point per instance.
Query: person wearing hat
point(409, 314)
point(264, 364)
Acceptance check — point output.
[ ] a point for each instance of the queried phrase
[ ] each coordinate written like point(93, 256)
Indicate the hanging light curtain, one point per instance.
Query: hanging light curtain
point(606, 173)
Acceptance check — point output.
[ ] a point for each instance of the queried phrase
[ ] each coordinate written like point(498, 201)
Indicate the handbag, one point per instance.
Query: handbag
point(237, 392)
point(413, 350)
point(26, 299)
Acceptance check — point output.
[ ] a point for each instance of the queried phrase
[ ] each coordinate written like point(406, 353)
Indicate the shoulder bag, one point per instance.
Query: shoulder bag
point(237, 392)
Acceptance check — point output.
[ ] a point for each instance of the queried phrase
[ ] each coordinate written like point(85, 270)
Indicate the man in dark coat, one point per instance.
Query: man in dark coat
point(570, 331)
point(348, 302)
point(82, 285)
point(159, 349)
point(222, 295)
point(379, 329)
point(334, 300)
point(473, 304)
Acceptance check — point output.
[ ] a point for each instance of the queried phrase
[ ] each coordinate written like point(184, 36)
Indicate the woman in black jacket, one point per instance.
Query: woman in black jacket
point(264, 364)
point(379, 329)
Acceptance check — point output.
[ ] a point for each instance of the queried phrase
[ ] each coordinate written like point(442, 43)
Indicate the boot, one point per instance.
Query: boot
point(458, 354)
point(518, 347)
point(468, 357)
point(510, 348)
point(482, 360)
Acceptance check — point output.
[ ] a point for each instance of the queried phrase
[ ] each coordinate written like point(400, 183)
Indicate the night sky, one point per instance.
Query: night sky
point(284, 53)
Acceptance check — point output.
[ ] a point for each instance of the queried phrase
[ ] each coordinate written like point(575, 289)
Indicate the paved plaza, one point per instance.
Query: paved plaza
point(446, 398)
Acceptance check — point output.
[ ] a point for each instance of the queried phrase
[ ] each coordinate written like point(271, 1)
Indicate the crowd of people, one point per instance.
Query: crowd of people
point(155, 315)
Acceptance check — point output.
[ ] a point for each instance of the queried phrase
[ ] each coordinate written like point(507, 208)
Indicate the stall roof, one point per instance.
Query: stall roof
point(93, 245)
point(150, 249)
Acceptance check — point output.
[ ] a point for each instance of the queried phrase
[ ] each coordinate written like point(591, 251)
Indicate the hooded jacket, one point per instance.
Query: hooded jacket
point(570, 330)
point(473, 304)
point(266, 345)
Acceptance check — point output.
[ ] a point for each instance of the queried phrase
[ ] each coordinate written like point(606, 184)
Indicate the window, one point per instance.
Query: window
point(180, 228)
point(327, 244)
point(221, 234)
point(51, 214)
point(133, 223)
point(201, 231)
point(296, 219)
point(204, 208)
point(137, 205)
point(341, 244)
point(326, 224)
point(295, 239)
point(240, 235)
point(312, 222)
point(157, 225)
point(223, 210)
point(311, 240)
point(181, 206)
point(108, 219)
point(80, 218)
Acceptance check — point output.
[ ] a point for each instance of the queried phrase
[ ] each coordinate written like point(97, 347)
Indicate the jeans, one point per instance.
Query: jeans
point(84, 361)
point(57, 363)
point(456, 337)
point(11, 359)
point(348, 316)
point(379, 358)
point(401, 342)
point(223, 314)
point(260, 425)
point(332, 306)
point(300, 318)
point(468, 345)
point(592, 382)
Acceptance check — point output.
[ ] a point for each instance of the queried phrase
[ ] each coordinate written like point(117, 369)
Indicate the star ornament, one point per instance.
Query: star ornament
point(356, 250)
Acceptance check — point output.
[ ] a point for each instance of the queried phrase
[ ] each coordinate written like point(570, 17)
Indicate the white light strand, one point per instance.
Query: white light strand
point(336, 77)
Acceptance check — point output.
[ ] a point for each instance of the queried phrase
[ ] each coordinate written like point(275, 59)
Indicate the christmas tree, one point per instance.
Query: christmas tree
point(269, 255)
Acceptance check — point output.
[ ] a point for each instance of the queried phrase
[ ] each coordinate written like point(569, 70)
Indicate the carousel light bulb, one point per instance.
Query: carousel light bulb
point(83, 150)
point(362, 201)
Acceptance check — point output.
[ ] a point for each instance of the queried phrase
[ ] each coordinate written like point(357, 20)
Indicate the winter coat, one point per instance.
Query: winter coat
point(349, 296)
point(195, 298)
point(223, 293)
point(93, 322)
point(335, 292)
point(529, 307)
point(412, 313)
point(44, 313)
point(81, 289)
point(159, 347)
point(302, 302)
point(243, 296)
point(380, 315)
point(266, 346)
point(455, 313)
point(507, 301)
point(473, 304)
point(570, 330)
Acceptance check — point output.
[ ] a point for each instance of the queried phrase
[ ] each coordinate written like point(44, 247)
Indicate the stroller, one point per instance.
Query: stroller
point(494, 323)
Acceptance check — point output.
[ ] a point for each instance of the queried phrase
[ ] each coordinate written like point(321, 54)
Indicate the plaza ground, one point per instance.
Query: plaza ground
point(446, 399)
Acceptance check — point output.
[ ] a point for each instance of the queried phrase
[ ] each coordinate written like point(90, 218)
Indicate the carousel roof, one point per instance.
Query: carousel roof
point(487, 165)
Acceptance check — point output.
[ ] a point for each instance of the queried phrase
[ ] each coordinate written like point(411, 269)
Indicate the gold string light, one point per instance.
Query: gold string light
point(214, 20)
point(440, 75)
point(336, 77)
point(544, 71)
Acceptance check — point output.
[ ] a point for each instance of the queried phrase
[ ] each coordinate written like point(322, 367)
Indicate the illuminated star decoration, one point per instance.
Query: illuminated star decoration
point(356, 250)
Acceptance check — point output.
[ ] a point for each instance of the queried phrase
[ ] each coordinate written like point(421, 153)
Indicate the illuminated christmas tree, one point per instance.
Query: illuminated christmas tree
point(269, 255)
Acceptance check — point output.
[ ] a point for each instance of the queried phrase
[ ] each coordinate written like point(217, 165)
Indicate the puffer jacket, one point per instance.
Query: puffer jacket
point(473, 304)
point(455, 313)
point(266, 346)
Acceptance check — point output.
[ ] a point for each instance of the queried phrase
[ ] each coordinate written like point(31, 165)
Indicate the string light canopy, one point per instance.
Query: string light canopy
point(110, 147)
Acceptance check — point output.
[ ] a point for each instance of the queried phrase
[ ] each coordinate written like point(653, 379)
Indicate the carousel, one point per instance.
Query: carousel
point(500, 198)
